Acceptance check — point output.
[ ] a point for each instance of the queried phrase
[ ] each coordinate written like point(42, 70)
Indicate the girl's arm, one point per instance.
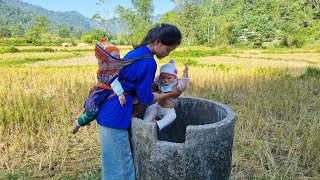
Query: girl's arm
point(175, 93)
point(155, 85)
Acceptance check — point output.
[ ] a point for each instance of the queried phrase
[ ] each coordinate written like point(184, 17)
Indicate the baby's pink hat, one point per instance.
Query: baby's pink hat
point(169, 68)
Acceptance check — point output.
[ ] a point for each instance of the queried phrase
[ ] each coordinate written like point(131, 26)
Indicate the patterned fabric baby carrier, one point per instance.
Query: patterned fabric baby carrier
point(109, 68)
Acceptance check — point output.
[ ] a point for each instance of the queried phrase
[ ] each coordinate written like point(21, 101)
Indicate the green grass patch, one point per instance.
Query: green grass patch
point(270, 71)
point(311, 72)
point(9, 49)
point(200, 52)
point(44, 49)
point(13, 49)
point(289, 50)
point(32, 59)
point(76, 50)
point(13, 176)
point(190, 56)
point(188, 60)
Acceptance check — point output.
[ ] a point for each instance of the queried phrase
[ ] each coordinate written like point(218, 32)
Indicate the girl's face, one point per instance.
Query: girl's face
point(161, 50)
point(166, 78)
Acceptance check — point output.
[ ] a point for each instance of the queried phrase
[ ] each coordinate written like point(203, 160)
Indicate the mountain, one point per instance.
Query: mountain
point(13, 15)
point(15, 11)
point(18, 12)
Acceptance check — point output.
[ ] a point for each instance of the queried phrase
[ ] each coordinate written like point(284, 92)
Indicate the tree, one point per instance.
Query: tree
point(41, 23)
point(234, 32)
point(38, 28)
point(77, 34)
point(217, 22)
point(144, 9)
point(190, 20)
point(4, 32)
point(136, 21)
point(93, 36)
point(63, 32)
point(17, 30)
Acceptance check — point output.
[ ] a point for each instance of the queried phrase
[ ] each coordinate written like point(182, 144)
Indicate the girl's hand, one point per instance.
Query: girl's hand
point(153, 120)
point(175, 93)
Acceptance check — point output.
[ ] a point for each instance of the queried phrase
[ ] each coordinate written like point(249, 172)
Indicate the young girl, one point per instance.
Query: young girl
point(162, 112)
point(136, 79)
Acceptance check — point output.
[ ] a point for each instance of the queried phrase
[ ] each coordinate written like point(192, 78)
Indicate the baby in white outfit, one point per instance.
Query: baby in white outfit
point(162, 112)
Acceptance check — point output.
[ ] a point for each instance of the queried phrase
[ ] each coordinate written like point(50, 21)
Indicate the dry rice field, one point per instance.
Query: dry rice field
point(277, 130)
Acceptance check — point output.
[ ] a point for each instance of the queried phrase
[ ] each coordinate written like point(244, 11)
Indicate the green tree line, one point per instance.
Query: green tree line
point(232, 22)
point(252, 23)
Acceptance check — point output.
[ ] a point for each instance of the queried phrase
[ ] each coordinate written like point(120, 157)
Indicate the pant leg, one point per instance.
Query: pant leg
point(168, 115)
point(116, 155)
point(151, 112)
point(86, 117)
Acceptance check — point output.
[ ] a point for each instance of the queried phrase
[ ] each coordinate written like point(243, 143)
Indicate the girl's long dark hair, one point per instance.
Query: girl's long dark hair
point(168, 34)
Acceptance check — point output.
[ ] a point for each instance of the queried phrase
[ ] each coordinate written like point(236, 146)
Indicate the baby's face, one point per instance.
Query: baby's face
point(115, 54)
point(166, 78)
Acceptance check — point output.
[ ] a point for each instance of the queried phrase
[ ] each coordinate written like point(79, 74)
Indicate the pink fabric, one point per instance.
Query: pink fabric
point(183, 84)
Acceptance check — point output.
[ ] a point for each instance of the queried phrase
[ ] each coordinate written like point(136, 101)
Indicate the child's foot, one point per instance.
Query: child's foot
point(75, 128)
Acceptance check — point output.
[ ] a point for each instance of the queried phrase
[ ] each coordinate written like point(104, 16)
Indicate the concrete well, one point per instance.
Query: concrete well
point(197, 145)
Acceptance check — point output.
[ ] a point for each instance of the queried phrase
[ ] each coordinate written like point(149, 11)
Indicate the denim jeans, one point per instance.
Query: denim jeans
point(116, 155)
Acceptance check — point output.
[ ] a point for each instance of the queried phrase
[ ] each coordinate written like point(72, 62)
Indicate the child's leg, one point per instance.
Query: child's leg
point(168, 116)
point(151, 112)
point(85, 118)
point(75, 127)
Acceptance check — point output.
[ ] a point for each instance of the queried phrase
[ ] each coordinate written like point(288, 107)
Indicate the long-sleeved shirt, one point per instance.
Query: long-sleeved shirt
point(138, 78)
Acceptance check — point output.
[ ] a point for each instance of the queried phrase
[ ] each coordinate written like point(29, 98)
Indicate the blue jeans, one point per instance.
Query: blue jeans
point(116, 155)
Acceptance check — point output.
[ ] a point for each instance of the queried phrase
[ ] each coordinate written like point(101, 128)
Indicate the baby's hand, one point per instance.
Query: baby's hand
point(122, 99)
point(185, 71)
point(185, 68)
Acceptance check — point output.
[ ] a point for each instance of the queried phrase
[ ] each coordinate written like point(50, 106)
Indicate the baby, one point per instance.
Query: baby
point(162, 112)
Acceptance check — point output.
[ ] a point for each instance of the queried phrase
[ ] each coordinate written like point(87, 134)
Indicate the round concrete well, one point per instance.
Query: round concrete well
point(197, 145)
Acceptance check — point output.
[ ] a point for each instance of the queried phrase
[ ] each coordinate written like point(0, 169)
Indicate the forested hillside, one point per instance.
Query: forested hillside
point(294, 22)
point(13, 15)
point(18, 12)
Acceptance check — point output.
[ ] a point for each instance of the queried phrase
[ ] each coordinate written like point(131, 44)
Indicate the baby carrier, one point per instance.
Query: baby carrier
point(109, 68)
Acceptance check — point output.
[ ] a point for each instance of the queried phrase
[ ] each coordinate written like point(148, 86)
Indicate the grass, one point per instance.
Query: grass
point(14, 59)
point(311, 72)
point(277, 128)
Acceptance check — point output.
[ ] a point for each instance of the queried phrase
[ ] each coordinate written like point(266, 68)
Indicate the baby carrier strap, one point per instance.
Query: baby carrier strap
point(109, 67)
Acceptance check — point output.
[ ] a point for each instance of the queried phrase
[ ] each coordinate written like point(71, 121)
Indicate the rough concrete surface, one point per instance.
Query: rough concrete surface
point(197, 145)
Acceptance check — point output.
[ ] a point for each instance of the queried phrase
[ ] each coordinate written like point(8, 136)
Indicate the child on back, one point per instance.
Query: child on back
point(88, 116)
point(162, 112)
